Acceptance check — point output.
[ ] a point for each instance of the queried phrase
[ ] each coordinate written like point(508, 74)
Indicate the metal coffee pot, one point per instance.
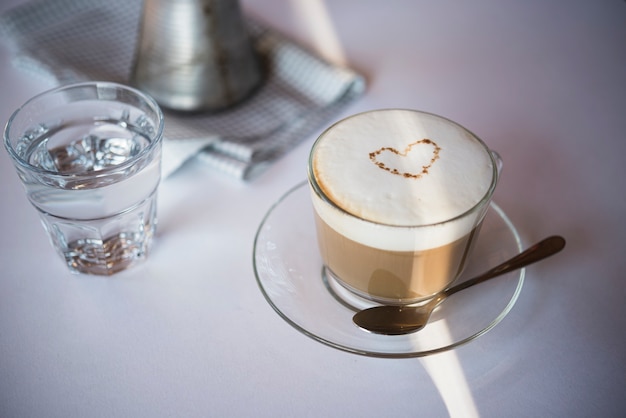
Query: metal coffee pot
point(195, 55)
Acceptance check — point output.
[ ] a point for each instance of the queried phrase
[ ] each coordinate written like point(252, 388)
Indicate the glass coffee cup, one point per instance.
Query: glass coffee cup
point(399, 197)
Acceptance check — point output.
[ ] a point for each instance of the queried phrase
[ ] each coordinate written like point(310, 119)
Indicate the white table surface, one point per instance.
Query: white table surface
point(189, 334)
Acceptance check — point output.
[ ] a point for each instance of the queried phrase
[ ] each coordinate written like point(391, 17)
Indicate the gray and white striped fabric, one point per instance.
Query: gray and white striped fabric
point(76, 40)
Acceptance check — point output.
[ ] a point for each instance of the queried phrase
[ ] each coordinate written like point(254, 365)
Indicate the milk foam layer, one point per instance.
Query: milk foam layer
point(401, 173)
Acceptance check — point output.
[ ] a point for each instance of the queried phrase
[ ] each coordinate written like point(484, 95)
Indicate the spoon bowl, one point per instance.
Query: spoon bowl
point(399, 320)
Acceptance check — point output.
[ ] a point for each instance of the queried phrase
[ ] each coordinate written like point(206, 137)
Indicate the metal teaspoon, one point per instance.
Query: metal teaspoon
point(398, 320)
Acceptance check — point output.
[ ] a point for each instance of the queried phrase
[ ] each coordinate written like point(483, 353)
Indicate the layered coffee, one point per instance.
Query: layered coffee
point(399, 197)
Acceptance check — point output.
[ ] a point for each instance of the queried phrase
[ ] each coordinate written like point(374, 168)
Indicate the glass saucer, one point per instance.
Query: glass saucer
point(290, 273)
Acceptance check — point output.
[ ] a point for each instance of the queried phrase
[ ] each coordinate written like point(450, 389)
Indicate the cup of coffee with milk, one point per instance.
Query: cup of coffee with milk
point(399, 197)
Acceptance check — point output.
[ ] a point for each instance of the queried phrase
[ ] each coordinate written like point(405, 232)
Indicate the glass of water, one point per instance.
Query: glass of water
point(89, 157)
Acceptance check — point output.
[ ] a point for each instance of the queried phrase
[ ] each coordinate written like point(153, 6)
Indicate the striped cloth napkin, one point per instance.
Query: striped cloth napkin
point(78, 40)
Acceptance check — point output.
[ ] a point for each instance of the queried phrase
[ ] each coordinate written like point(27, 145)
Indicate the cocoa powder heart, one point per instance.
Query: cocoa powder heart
point(421, 171)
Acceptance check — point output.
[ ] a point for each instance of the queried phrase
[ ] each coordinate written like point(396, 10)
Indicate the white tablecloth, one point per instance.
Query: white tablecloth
point(189, 334)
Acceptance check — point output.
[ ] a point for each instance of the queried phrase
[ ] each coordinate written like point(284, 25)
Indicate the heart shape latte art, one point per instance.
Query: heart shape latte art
point(421, 168)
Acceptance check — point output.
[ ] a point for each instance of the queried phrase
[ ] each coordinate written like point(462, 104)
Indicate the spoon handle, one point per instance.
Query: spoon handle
point(539, 251)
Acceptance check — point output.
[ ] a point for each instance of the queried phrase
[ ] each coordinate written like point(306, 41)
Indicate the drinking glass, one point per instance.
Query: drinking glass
point(89, 158)
point(399, 198)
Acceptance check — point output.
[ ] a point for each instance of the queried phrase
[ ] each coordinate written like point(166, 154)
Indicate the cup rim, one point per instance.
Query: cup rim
point(484, 201)
point(156, 138)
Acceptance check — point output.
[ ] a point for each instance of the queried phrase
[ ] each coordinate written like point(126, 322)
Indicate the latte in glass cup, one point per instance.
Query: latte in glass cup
point(399, 197)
